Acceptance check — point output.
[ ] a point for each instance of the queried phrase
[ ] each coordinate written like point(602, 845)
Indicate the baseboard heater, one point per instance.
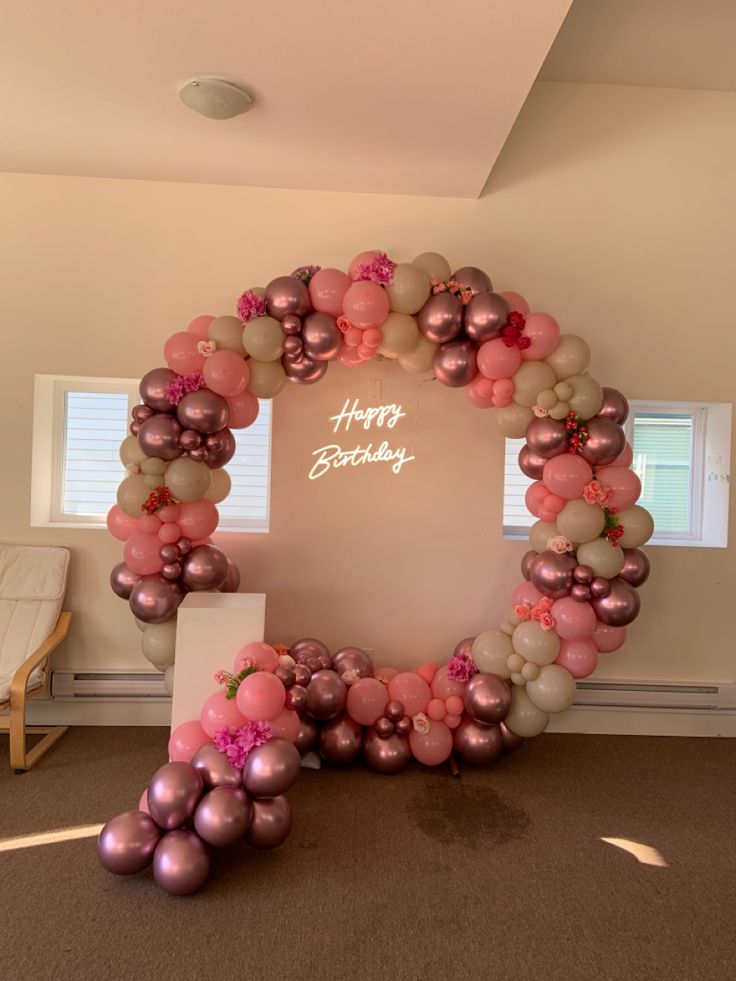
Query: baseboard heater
point(118, 686)
point(668, 696)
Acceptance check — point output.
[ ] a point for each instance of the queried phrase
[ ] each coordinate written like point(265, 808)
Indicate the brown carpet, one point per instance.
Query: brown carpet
point(501, 874)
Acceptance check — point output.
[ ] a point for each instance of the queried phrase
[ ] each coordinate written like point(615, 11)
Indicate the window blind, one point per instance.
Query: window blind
point(663, 460)
point(247, 504)
point(95, 423)
point(516, 518)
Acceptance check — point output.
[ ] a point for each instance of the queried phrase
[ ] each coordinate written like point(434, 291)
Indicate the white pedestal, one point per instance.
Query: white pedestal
point(211, 629)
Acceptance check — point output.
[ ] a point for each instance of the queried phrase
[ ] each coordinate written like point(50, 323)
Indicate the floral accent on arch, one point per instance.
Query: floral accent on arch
point(461, 667)
point(183, 385)
point(539, 612)
point(379, 270)
point(249, 306)
point(513, 332)
point(596, 492)
point(238, 744)
point(306, 273)
point(613, 529)
point(159, 498)
point(577, 432)
point(462, 292)
point(232, 681)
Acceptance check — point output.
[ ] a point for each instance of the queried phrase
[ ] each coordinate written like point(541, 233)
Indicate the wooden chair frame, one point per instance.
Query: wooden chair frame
point(15, 723)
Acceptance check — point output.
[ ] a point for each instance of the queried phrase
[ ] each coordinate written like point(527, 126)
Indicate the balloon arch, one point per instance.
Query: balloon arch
point(230, 768)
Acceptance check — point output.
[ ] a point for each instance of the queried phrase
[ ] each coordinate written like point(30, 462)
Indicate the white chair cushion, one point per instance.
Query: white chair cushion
point(32, 585)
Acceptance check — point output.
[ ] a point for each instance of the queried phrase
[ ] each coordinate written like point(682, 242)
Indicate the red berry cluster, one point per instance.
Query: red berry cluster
point(613, 530)
point(158, 498)
point(577, 433)
point(512, 332)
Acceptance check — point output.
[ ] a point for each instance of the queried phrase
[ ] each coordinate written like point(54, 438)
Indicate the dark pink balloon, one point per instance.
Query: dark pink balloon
point(353, 659)
point(270, 824)
point(321, 336)
point(547, 437)
point(127, 843)
point(530, 463)
point(173, 794)
point(223, 816)
point(473, 279)
point(152, 389)
point(308, 645)
point(341, 740)
point(305, 371)
point(271, 769)
point(476, 744)
point(464, 646)
point(485, 316)
point(181, 863)
point(291, 325)
point(620, 607)
point(636, 567)
point(384, 726)
point(204, 411)
point(599, 587)
point(580, 592)
point(394, 710)
point(285, 295)
point(605, 442)
point(455, 364)
point(159, 437)
point(155, 600)
point(205, 567)
point(171, 570)
point(215, 768)
point(583, 574)
point(190, 439)
point(220, 453)
point(232, 579)
point(141, 412)
point(326, 695)
point(296, 696)
point(615, 407)
point(386, 755)
point(552, 574)
point(487, 698)
point(509, 739)
point(526, 563)
point(123, 579)
point(308, 734)
point(441, 318)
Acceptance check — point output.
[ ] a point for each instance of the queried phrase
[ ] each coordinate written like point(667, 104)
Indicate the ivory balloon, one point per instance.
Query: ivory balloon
point(513, 420)
point(263, 339)
point(420, 359)
point(602, 557)
point(132, 493)
point(434, 264)
point(553, 690)
point(400, 335)
point(524, 718)
point(637, 523)
point(158, 644)
point(490, 652)
point(267, 378)
point(580, 521)
point(587, 398)
point(530, 379)
point(130, 451)
point(227, 333)
point(410, 288)
point(534, 644)
point(570, 357)
point(188, 480)
point(220, 486)
point(540, 533)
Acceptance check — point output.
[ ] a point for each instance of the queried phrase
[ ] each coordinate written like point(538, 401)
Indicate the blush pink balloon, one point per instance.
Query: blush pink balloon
point(607, 638)
point(242, 410)
point(515, 301)
point(169, 513)
point(169, 533)
point(452, 721)
point(261, 696)
point(445, 687)
point(286, 725)
point(553, 504)
point(579, 657)
point(535, 496)
point(480, 392)
point(198, 519)
point(185, 740)
point(120, 524)
point(573, 620)
point(625, 458)
point(544, 333)
point(433, 747)
point(385, 674)
point(436, 709)
point(454, 705)
point(427, 671)
point(327, 289)
point(219, 711)
point(525, 593)
point(566, 475)
point(141, 554)
point(201, 326)
point(226, 373)
point(258, 655)
point(367, 700)
point(495, 360)
point(625, 484)
point(149, 523)
point(365, 305)
point(362, 259)
point(181, 354)
point(412, 691)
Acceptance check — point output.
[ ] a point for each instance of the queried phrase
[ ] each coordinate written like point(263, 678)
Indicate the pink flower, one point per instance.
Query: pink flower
point(522, 611)
point(461, 667)
point(350, 677)
point(237, 744)
point(379, 270)
point(249, 306)
point(596, 492)
point(540, 412)
point(181, 386)
point(207, 348)
point(546, 621)
point(305, 273)
point(559, 544)
point(421, 723)
point(222, 677)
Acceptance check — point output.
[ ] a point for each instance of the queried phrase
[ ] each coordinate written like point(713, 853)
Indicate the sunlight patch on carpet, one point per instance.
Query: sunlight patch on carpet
point(644, 854)
point(50, 837)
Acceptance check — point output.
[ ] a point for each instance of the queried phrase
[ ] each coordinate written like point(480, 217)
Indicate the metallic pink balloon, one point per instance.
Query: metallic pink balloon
point(204, 411)
point(615, 406)
point(509, 739)
point(123, 579)
point(580, 592)
point(341, 740)
point(223, 816)
point(127, 842)
point(134, 428)
point(636, 567)
point(605, 442)
point(325, 661)
point(296, 696)
point(552, 574)
point(486, 316)
point(291, 325)
point(286, 295)
point(169, 552)
point(173, 794)
point(464, 646)
point(620, 607)
point(476, 744)
point(487, 698)
point(321, 336)
point(184, 545)
point(386, 755)
point(205, 567)
point(270, 824)
point(394, 711)
point(155, 600)
point(403, 725)
point(384, 726)
point(599, 587)
point(305, 371)
point(307, 645)
point(286, 676)
point(441, 318)
point(232, 579)
point(220, 455)
point(141, 412)
point(473, 279)
point(171, 570)
point(159, 437)
point(530, 463)
point(181, 863)
point(292, 345)
point(271, 769)
point(314, 664)
point(326, 695)
point(302, 675)
point(526, 563)
point(190, 439)
point(583, 574)
point(215, 768)
point(152, 389)
point(547, 437)
point(308, 734)
point(455, 364)
point(199, 454)
point(353, 659)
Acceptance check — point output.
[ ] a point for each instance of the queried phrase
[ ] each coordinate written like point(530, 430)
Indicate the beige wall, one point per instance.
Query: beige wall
point(612, 208)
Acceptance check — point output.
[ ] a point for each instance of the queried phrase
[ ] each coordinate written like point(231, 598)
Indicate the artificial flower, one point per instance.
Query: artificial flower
point(207, 348)
point(379, 270)
point(461, 667)
point(250, 306)
point(559, 544)
point(237, 744)
point(421, 723)
point(181, 386)
point(596, 492)
point(306, 273)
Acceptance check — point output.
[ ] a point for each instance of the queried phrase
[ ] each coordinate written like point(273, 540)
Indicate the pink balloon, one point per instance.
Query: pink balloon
point(607, 638)
point(257, 655)
point(219, 711)
point(242, 410)
point(261, 696)
point(625, 458)
point(226, 373)
point(185, 740)
point(436, 709)
point(515, 301)
point(372, 337)
point(573, 620)
point(544, 333)
point(149, 523)
point(181, 354)
point(201, 326)
point(141, 554)
point(361, 259)
point(480, 392)
point(433, 747)
point(327, 289)
point(579, 657)
point(553, 503)
point(286, 725)
point(452, 721)
point(169, 533)
point(445, 687)
point(120, 524)
point(412, 691)
point(566, 475)
point(454, 705)
point(495, 360)
point(169, 513)
point(427, 671)
point(385, 674)
point(367, 701)
point(535, 496)
point(198, 519)
point(625, 483)
point(365, 304)
point(525, 594)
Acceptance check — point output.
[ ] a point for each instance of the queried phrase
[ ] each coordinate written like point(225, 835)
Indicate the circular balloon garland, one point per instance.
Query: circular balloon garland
point(580, 576)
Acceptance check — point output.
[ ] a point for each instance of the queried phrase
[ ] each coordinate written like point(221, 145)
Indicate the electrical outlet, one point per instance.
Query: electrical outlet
point(376, 388)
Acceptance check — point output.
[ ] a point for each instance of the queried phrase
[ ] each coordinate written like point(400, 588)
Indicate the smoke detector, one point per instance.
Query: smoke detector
point(215, 98)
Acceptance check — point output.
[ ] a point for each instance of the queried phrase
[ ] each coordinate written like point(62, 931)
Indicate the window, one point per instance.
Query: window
point(78, 426)
point(682, 457)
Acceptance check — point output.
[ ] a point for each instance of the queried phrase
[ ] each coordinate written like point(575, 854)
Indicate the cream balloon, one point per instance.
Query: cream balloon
point(158, 644)
point(491, 650)
point(263, 340)
point(267, 378)
point(187, 479)
point(131, 452)
point(169, 680)
point(559, 411)
point(227, 333)
point(400, 335)
point(152, 465)
point(539, 534)
point(152, 480)
point(532, 378)
point(419, 359)
point(587, 398)
point(434, 264)
point(570, 357)
point(602, 557)
point(132, 493)
point(534, 644)
point(638, 526)
point(220, 486)
point(580, 521)
point(524, 718)
point(409, 290)
point(553, 690)
point(513, 420)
